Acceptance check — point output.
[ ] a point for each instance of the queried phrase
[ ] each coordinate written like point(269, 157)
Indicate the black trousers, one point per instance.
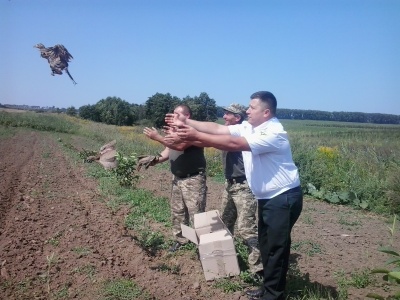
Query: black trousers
point(276, 217)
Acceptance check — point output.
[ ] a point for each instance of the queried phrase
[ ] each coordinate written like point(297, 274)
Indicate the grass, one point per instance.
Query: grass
point(123, 289)
point(44, 122)
point(227, 285)
point(346, 220)
point(358, 279)
point(82, 251)
point(61, 293)
point(55, 240)
point(307, 219)
point(310, 248)
point(171, 269)
point(88, 270)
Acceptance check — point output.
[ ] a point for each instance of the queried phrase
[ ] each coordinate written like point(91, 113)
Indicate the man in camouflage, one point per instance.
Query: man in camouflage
point(239, 206)
point(189, 190)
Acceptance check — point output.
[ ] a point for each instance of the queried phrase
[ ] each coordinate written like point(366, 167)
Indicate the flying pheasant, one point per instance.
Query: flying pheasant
point(58, 58)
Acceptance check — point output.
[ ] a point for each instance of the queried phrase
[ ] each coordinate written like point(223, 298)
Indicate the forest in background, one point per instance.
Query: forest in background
point(116, 111)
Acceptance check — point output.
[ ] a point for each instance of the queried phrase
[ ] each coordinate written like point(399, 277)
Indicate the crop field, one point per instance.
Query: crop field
point(70, 230)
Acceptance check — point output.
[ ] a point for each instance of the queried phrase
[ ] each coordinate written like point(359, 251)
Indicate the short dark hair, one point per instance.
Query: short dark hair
point(266, 97)
point(185, 108)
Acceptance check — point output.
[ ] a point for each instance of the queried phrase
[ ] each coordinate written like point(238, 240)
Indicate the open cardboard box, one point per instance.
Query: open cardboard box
point(216, 248)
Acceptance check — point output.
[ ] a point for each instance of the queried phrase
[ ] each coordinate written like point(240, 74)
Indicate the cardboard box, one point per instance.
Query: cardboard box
point(216, 248)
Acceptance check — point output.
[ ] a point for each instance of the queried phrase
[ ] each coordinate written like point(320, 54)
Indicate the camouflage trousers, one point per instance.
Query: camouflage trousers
point(188, 197)
point(239, 211)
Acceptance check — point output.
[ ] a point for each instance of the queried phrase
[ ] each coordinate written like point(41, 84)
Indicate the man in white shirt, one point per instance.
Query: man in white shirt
point(272, 177)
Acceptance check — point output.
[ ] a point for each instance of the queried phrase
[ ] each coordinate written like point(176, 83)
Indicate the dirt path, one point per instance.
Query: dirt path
point(58, 239)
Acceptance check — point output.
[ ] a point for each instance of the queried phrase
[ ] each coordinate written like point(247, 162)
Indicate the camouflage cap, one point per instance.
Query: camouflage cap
point(236, 109)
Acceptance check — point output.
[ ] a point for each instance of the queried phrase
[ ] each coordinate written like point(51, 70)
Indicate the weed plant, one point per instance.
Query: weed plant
point(123, 289)
point(310, 248)
point(242, 253)
point(390, 275)
point(227, 285)
point(171, 269)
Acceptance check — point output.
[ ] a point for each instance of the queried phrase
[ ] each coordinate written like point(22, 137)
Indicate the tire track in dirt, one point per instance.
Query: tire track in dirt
point(14, 158)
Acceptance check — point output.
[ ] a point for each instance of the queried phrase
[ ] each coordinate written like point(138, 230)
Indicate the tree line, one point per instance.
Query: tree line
point(116, 111)
point(341, 116)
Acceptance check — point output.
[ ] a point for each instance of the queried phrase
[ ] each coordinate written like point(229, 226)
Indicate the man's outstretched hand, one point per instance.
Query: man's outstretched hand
point(151, 132)
point(187, 133)
point(175, 119)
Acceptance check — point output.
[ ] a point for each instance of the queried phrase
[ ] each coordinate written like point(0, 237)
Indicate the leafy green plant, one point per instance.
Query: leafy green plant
point(347, 197)
point(188, 246)
point(250, 279)
point(126, 170)
point(149, 241)
point(242, 252)
point(389, 275)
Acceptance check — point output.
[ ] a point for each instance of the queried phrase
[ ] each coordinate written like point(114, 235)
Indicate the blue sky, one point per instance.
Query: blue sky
point(339, 55)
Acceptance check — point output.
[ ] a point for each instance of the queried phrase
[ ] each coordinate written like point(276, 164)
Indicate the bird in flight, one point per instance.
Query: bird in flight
point(58, 58)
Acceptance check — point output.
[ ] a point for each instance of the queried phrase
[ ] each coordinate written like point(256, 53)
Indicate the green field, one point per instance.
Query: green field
point(346, 163)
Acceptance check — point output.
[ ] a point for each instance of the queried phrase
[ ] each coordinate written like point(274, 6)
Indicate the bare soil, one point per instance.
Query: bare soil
point(59, 239)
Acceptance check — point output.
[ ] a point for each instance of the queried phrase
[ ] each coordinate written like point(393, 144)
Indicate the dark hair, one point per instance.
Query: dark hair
point(266, 97)
point(185, 108)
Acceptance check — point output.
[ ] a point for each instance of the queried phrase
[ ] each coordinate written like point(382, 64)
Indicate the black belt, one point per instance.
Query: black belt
point(236, 180)
point(189, 175)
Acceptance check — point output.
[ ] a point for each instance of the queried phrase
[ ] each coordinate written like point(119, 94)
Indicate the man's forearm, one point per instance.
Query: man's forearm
point(158, 138)
point(208, 127)
point(223, 142)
